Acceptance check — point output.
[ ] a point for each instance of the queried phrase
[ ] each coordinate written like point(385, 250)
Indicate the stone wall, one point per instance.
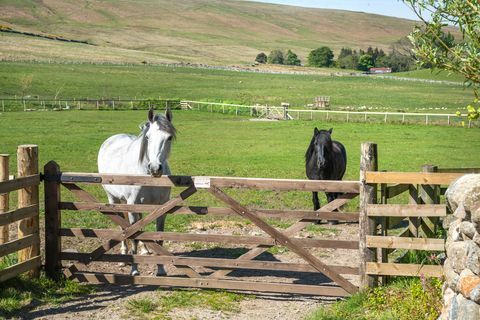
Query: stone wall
point(461, 291)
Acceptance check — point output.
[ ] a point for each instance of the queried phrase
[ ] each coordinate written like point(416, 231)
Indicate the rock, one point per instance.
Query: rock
point(451, 277)
point(467, 228)
point(466, 190)
point(454, 231)
point(464, 254)
point(475, 294)
point(448, 296)
point(467, 282)
point(467, 309)
point(476, 216)
point(453, 312)
point(448, 220)
point(460, 213)
point(476, 239)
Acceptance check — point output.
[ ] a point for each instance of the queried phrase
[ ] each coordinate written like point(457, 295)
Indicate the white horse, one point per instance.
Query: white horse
point(146, 154)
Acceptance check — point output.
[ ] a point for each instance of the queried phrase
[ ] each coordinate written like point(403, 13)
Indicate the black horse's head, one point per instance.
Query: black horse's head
point(322, 146)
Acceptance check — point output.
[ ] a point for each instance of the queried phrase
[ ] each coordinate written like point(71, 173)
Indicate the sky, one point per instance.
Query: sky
point(394, 8)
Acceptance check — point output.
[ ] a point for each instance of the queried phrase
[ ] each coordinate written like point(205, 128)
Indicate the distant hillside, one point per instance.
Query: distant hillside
point(196, 31)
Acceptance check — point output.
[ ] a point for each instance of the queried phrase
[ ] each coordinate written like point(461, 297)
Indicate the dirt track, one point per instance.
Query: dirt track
point(110, 302)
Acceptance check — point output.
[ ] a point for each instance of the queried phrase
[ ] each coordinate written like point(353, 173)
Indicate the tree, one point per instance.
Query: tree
point(276, 57)
point(433, 44)
point(365, 62)
point(261, 58)
point(292, 59)
point(348, 62)
point(321, 57)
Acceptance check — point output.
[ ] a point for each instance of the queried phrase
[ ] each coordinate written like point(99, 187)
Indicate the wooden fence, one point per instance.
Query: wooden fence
point(21, 253)
point(378, 221)
point(412, 226)
point(217, 273)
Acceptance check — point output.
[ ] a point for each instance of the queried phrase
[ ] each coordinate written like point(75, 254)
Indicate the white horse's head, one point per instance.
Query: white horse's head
point(157, 135)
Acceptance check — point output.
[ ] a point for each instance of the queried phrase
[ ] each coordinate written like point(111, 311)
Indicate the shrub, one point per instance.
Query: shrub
point(276, 57)
point(292, 59)
point(261, 58)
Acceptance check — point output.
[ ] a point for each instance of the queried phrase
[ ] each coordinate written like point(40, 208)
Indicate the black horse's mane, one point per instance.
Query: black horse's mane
point(310, 149)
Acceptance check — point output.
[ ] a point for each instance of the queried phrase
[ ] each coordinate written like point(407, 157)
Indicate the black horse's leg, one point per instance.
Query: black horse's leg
point(160, 225)
point(330, 197)
point(316, 204)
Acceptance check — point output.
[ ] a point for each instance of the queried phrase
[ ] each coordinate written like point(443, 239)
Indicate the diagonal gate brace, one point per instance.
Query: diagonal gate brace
point(133, 229)
point(284, 240)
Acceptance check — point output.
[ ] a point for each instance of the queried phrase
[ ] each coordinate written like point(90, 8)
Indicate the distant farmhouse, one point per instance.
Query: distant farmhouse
point(379, 70)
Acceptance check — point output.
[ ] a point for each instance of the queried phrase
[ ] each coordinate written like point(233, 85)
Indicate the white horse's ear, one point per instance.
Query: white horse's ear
point(168, 114)
point(331, 130)
point(150, 115)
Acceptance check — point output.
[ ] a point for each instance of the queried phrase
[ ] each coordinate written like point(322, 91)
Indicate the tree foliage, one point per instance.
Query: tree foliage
point(276, 57)
point(434, 45)
point(321, 57)
point(292, 59)
point(365, 62)
point(261, 58)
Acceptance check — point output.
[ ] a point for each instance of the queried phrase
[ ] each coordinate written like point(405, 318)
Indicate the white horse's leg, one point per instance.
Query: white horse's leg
point(124, 248)
point(134, 217)
point(160, 224)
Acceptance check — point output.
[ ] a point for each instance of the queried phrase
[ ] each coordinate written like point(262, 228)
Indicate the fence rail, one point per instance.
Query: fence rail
point(8, 104)
point(287, 113)
point(23, 253)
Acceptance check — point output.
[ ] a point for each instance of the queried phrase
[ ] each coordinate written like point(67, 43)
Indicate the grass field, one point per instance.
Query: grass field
point(218, 145)
point(94, 81)
point(430, 75)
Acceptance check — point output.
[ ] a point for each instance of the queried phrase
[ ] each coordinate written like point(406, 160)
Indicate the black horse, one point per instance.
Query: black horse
point(325, 159)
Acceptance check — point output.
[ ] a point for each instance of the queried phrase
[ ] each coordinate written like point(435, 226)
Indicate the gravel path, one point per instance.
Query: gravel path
point(110, 302)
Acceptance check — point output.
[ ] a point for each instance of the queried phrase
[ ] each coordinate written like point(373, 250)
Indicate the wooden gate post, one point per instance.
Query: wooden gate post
point(53, 242)
point(368, 195)
point(4, 200)
point(27, 165)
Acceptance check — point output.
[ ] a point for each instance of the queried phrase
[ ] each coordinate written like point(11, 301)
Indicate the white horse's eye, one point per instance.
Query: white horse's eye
point(170, 138)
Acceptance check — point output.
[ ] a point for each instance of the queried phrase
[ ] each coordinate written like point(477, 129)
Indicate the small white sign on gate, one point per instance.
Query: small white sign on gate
point(201, 182)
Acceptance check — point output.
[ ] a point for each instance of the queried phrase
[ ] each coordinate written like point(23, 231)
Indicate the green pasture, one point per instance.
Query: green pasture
point(111, 81)
point(224, 145)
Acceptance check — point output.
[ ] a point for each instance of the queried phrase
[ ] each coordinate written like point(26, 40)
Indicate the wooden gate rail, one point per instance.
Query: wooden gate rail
point(234, 182)
point(267, 213)
point(195, 237)
point(219, 267)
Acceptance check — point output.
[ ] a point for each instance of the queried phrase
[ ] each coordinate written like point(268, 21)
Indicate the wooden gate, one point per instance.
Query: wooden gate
point(198, 272)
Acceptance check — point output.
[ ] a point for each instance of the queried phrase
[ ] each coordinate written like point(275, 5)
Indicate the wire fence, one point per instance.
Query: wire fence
point(10, 104)
point(254, 111)
point(286, 113)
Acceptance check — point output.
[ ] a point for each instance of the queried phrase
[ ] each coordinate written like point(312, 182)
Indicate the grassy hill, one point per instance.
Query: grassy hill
point(195, 31)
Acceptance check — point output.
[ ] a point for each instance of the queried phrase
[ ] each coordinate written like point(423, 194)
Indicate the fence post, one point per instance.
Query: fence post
point(53, 242)
point(368, 195)
point(429, 194)
point(4, 199)
point(27, 164)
